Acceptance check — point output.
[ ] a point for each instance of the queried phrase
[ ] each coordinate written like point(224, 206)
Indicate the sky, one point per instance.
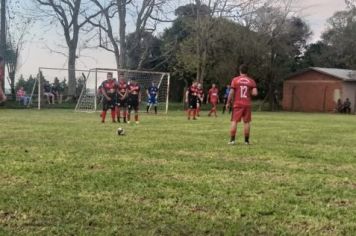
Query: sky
point(37, 51)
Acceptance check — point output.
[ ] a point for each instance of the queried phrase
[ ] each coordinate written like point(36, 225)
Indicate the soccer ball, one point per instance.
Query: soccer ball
point(120, 131)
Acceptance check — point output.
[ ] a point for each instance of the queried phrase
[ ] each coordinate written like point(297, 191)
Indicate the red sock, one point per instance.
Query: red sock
point(103, 115)
point(194, 113)
point(136, 117)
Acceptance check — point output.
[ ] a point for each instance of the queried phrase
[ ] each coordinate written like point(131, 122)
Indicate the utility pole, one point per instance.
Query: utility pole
point(3, 41)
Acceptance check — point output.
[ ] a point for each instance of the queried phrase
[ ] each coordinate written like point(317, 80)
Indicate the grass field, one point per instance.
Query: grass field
point(65, 173)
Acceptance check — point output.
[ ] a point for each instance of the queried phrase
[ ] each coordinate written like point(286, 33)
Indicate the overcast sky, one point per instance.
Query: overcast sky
point(36, 54)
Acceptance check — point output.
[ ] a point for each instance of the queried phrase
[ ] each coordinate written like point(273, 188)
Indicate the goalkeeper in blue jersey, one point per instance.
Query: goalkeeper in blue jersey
point(152, 95)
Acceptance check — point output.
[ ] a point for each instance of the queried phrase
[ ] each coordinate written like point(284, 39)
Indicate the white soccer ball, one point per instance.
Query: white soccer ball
point(120, 131)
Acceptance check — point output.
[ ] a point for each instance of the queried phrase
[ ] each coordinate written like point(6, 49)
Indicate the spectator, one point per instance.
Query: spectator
point(55, 91)
point(48, 93)
point(339, 106)
point(347, 106)
point(21, 94)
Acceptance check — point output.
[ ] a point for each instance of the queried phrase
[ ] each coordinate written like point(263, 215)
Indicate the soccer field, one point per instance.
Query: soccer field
point(65, 173)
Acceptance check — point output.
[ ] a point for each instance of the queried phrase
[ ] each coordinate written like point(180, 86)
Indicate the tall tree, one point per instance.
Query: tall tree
point(201, 17)
point(2, 44)
point(121, 6)
point(142, 13)
point(340, 38)
point(17, 31)
point(67, 14)
point(284, 38)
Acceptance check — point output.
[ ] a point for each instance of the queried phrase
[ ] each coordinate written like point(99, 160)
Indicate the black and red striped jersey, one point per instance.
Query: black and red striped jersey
point(122, 88)
point(109, 86)
point(134, 89)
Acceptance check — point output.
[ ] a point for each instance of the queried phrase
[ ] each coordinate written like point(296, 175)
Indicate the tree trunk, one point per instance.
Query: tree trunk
point(3, 41)
point(117, 59)
point(122, 32)
point(71, 73)
point(270, 97)
point(12, 84)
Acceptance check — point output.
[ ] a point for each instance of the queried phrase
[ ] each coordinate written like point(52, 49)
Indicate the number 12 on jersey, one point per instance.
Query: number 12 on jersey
point(243, 90)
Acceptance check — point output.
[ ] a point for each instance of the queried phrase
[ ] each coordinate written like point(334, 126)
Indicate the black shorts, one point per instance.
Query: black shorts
point(121, 102)
point(133, 103)
point(109, 104)
point(193, 102)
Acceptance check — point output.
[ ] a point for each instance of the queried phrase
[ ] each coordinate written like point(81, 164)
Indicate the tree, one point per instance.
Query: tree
point(283, 38)
point(2, 43)
point(350, 3)
point(118, 47)
point(143, 13)
point(67, 14)
point(17, 29)
point(201, 21)
point(340, 38)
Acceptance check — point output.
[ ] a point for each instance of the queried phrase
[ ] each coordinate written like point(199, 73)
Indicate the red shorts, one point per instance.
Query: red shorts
point(243, 113)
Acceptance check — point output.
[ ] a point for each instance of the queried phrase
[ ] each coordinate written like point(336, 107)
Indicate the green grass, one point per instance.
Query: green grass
point(65, 173)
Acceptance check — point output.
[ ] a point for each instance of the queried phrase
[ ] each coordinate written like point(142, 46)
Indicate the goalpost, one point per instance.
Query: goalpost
point(88, 82)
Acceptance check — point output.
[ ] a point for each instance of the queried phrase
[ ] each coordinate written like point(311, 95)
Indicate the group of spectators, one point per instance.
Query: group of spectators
point(343, 107)
point(52, 92)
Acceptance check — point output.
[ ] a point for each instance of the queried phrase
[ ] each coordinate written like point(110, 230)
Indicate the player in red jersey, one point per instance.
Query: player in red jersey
point(108, 89)
point(200, 93)
point(2, 79)
point(191, 98)
point(122, 98)
point(134, 100)
point(213, 99)
point(242, 88)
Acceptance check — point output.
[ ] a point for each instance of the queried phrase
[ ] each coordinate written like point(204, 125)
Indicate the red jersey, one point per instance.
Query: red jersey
point(122, 88)
point(242, 86)
point(109, 86)
point(213, 95)
point(134, 89)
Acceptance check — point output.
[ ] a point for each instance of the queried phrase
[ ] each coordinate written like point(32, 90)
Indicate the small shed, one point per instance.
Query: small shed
point(318, 89)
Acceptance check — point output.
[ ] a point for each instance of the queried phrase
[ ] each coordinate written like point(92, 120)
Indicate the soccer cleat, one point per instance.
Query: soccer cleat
point(231, 143)
point(247, 143)
point(103, 121)
point(128, 122)
point(137, 122)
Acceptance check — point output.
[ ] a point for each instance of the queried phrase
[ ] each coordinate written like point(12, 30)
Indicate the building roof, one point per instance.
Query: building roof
point(345, 75)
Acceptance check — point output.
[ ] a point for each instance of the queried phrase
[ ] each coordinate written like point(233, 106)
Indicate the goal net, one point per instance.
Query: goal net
point(52, 89)
point(90, 99)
